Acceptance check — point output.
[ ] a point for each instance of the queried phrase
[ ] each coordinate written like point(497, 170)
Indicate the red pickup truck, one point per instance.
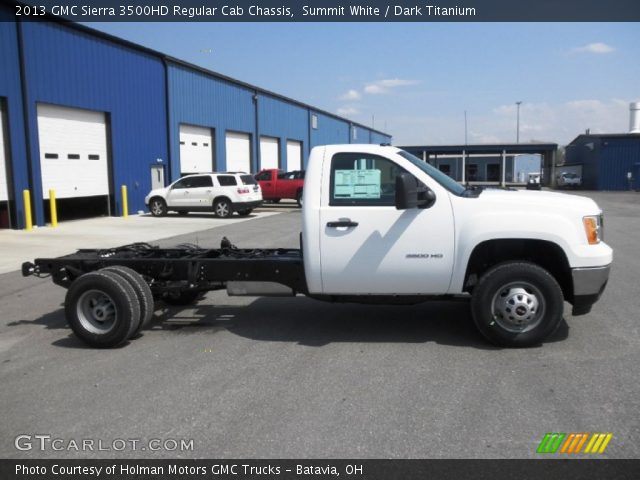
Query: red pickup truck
point(276, 185)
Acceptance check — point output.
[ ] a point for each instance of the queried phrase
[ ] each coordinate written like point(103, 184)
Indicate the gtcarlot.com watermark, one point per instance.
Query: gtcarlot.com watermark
point(46, 442)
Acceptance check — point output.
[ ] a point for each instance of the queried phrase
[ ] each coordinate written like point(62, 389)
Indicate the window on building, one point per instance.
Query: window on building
point(51, 156)
point(94, 157)
point(314, 122)
point(354, 133)
point(445, 168)
point(493, 172)
point(73, 156)
point(471, 172)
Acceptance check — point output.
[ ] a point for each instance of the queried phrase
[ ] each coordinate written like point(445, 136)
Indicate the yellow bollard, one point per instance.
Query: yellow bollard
point(125, 202)
point(28, 224)
point(53, 208)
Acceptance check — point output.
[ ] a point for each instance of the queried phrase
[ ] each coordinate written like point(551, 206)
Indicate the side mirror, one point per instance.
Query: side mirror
point(406, 191)
point(412, 194)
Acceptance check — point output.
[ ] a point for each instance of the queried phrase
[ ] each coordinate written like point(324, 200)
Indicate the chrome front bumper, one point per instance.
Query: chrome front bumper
point(588, 285)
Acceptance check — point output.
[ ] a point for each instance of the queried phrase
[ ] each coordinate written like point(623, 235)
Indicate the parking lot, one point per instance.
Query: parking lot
point(297, 378)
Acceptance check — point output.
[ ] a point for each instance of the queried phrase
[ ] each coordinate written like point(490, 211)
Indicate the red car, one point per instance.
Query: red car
point(276, 185)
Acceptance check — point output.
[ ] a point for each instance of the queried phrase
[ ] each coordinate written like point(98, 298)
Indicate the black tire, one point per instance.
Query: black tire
point(185, 297)
point(517, 304)
point(143, 292)
point(102, 309)
point(222, 208)
point(299, 198)
point(244, 213)
point(275, 200)
point(158, 207)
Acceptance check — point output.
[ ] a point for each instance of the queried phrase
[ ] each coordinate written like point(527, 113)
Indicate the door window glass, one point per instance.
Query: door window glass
point(227, 180)
point(360, 179)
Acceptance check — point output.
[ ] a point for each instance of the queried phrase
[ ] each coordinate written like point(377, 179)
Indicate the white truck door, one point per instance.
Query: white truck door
point(369, 247)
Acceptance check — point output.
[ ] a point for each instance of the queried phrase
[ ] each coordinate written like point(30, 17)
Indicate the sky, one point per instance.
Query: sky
point(416, 80)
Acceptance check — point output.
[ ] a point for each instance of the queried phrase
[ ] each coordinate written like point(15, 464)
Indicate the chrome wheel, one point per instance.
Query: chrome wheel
point(518, 307)
point(96, 312)
point(222, 209)
point(157, 207)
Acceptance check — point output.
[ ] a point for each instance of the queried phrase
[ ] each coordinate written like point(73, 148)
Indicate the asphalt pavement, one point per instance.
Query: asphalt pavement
point(297, 378)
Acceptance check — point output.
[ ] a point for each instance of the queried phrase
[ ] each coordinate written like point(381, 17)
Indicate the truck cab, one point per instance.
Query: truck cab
point(378, 221)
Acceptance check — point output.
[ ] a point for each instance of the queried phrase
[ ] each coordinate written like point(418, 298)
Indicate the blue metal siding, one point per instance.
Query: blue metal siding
point(285, 121)
point(11, 91)
point(584, 151)
point(618, 156)
point(330, 130)
point(196, 98)
point(378, 138)
point(363, 135)
point(72, 68)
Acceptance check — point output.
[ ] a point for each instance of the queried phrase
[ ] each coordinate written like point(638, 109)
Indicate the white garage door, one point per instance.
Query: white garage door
point(294, 155)
point(73, 152)
point(238, 152)
point(196, 149)
point(269, 152)
point(4, 196)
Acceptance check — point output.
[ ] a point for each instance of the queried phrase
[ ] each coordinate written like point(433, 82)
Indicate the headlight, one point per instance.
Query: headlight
point(593, 227)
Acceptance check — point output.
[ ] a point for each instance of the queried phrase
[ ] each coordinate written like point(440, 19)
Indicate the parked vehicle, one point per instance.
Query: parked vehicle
point(569, 179)
point(533, 183)
point(222, 193)
point(277, 185)
point(378, 226)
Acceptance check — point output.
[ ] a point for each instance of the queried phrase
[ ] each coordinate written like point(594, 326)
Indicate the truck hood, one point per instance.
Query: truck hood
point(529, 199)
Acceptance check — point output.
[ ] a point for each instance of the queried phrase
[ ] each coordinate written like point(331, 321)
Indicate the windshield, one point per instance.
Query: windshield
point(442, 178)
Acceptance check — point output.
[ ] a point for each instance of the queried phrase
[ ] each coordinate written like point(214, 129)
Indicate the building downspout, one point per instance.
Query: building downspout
point(168, 170)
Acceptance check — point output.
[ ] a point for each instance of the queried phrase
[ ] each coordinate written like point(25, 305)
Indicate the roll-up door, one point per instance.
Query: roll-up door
point(196, 149)
point(4, 191)
point(294, 155)
point(238, 152)
point(269, 152)
point(73, 152)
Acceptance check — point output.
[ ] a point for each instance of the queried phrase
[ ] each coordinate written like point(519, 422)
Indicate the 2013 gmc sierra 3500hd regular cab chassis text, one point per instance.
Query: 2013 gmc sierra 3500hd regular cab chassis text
point(378, 226)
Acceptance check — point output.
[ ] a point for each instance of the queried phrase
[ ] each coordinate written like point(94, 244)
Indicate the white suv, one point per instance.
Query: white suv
point(222, 193)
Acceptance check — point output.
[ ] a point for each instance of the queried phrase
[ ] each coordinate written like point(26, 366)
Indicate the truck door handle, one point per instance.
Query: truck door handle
point(342, 223)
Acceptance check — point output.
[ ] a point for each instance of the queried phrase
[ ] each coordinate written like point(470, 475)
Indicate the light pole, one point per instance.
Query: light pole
point(518, 122)
point(465, 127)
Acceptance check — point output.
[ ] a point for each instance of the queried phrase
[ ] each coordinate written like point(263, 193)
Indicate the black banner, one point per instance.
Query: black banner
point(330, 11)
point(320, 469)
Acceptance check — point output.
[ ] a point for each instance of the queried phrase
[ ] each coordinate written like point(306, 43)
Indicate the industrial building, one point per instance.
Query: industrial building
point(84, 113)
point(607, 161)
point(486, 164)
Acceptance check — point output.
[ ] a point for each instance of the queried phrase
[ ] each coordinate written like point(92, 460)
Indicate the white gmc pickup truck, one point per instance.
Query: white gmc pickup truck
point(379, 225)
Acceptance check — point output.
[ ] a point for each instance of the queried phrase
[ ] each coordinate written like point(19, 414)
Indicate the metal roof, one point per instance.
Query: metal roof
point(606, 135)
point(486, 148)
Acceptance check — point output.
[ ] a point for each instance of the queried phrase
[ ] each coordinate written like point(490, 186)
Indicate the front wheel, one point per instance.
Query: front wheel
point(517, 304)
point(158, 207)
point(299, 199)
